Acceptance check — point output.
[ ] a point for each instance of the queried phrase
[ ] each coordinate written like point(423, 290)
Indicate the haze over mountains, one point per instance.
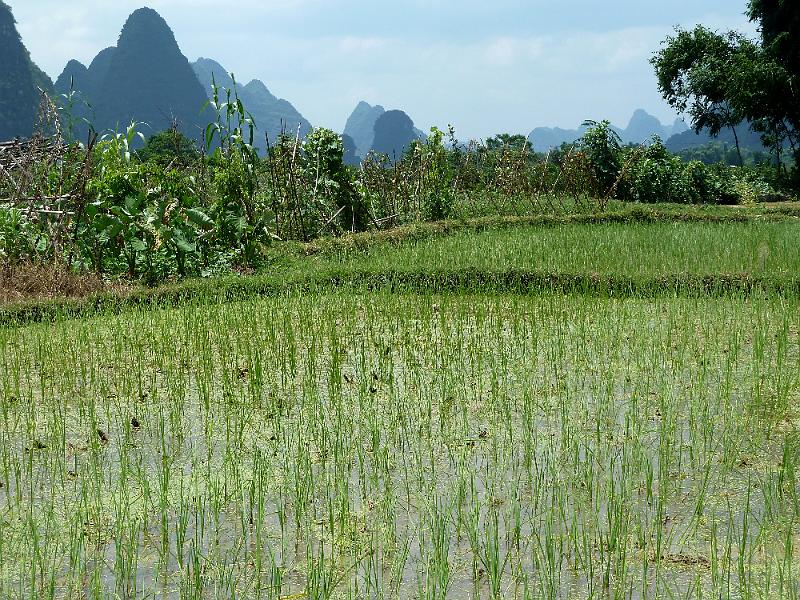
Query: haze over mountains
point(392, 136)
point(272, 115)
point(146, 78)
point(640, 129)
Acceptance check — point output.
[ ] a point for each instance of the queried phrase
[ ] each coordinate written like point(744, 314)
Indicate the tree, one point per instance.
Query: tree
point(602, 146)
point(169, 147)
point(694, 72)
point(330, 179)
point(725, 79)
point(779, 22)
point(778, 77)
point(512, 142)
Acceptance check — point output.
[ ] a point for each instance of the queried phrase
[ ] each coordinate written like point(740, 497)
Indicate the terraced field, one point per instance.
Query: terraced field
point(411, 439)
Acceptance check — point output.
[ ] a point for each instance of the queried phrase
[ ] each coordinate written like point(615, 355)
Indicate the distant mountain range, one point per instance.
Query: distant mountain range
point(146, 78)
point(360, 126)
point(641, 127)
point(272, 115)
point(20, 80)
point(394, 132)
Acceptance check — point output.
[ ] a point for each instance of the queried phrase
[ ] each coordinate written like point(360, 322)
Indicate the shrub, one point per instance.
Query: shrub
point(330, 182)
point(602, 146)
point(700, 184)
point(437, 200)
point(18, 237)
point(654, 175)
point(169, 147)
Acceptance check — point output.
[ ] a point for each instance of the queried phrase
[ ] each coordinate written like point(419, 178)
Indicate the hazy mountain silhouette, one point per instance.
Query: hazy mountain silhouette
point(76, 79)
point(641, 127)
point(272, 115)
point(86, 80)
point(544, 139)
point(361, 126)
point(644, 126)
point(350, 156)
point(83, 83)
point(101, 65)
point(145, 78)
point(149, 80)
point(394, 133)
point(20, 79)
point(74, 76)
point(689, 139)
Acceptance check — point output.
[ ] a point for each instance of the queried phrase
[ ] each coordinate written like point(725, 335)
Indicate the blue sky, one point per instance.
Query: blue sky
point(485, 66)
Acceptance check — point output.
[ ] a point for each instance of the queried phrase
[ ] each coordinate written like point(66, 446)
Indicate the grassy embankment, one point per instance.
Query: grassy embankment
point(626, 251)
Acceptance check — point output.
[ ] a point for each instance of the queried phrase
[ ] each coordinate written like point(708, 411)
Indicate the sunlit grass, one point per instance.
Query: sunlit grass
point(635, 249)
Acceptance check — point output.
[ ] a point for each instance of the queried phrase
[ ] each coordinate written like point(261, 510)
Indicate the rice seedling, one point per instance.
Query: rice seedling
point(354, 445)
point(636, 249)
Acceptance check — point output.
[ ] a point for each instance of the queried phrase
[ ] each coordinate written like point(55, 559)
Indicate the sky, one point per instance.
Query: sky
point(484, 66)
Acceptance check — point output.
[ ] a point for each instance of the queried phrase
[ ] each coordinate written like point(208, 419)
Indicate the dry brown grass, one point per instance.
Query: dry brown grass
point(33, 281)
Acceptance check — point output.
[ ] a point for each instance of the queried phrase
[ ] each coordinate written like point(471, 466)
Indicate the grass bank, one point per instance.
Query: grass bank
point(635, 252)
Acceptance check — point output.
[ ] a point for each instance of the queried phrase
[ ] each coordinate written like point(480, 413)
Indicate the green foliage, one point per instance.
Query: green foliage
point(720, 152)
point(19, 238)
point(602, 145)
point(169, 147)
point(437, 176)
point(235, 171)
point(330, 180)
point(177, 213)
point(516, 142)
point(146, 221)
point(655, 175)
point(779, 21)
point(726, 79)
point(116, 149)
point(273, 116)
point(651, 174)
point(699, 184)
point(694, 75)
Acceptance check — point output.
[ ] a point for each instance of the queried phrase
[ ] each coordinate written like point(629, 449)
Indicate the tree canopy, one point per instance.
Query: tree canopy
point(724, 79)
point(169, 147)
point(512, 142)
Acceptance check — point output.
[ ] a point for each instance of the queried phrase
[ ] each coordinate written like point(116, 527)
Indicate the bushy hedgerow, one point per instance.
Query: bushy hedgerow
point(651, 174)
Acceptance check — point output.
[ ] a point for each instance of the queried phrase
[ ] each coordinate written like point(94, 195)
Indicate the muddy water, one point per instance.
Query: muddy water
point(404, 447)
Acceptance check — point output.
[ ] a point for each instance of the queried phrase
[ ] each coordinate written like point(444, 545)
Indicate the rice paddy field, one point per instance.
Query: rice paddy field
point(635, 249)
point(362, 443)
